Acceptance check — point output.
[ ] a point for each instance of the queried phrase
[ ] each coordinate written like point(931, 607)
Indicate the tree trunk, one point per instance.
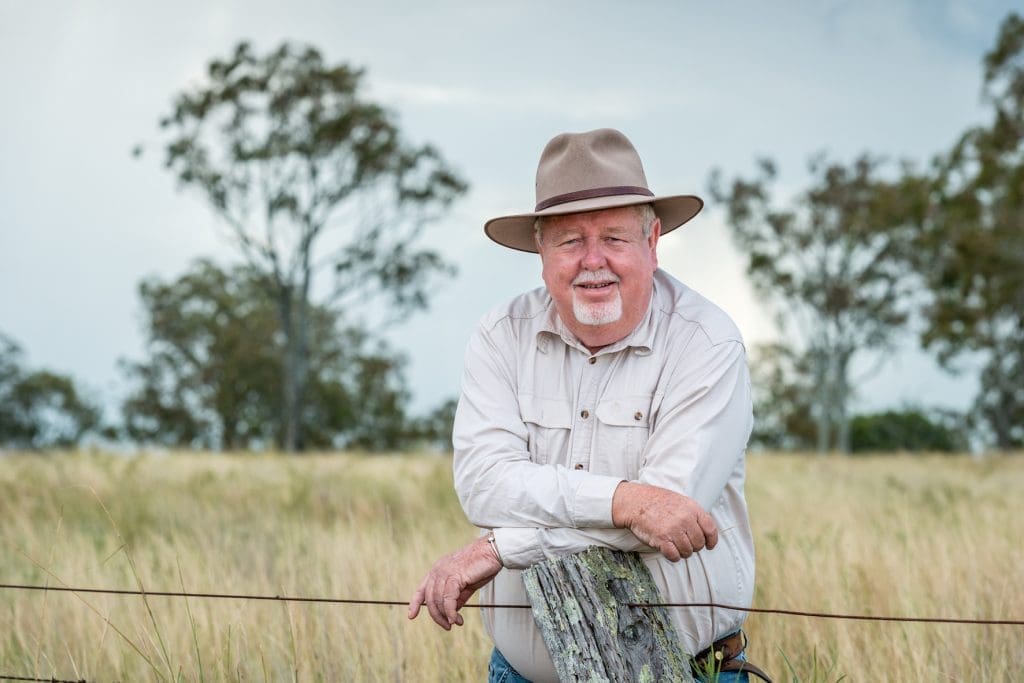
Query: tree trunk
point(1002, 427)
point(294, 310)
point(587, 608)
point(1005, 402)
point(289, 426)
point(301, 368)
point(842, 401)
point(822, 393)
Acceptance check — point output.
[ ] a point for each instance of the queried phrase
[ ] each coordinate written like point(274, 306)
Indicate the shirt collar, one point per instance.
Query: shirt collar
point(551, 326)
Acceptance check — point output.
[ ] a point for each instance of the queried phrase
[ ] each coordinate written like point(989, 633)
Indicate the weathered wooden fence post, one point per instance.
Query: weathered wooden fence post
point(582, 605)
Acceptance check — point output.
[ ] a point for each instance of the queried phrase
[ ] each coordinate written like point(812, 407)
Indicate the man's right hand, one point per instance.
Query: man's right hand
point(674, 524)
point(452, 581)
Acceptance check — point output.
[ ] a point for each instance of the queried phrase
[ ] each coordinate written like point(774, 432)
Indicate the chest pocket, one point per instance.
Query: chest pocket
point(623, 429)
point(549, 422)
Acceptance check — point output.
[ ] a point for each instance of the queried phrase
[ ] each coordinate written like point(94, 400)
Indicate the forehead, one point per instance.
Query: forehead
point(625, 217)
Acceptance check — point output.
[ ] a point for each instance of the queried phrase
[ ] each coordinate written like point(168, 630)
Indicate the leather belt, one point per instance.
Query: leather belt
point(722, 654)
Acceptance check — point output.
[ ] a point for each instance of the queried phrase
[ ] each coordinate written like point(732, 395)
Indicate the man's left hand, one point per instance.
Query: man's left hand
point(452, 580)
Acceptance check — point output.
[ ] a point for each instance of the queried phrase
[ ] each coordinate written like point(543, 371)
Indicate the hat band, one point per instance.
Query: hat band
point(590, 194)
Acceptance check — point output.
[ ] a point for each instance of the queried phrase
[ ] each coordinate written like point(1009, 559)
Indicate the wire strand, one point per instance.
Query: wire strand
point(4, 677)
point(481, 605)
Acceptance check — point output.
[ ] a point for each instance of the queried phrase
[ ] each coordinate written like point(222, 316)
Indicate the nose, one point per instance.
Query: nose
point(593, 255)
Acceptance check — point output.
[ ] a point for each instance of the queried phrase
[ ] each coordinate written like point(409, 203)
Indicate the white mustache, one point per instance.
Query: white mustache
point(588, 276)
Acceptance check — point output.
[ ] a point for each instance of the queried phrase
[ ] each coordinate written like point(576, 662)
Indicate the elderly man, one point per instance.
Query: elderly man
point(610, 407)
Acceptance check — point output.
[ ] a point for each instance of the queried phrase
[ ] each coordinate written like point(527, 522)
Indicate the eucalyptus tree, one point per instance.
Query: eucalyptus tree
point(211, 374)
point(310, 176)
point(971, 248)
point(829, 262)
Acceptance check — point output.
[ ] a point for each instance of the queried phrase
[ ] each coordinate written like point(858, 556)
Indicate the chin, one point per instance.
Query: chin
point(596, 316)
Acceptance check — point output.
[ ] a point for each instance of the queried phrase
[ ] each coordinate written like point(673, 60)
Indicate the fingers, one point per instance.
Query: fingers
point(420, 599)
point(443, 596)
point(435, 603)
point(670, 551)
point(674, 524)
point(416, 601)
point(451, 582)
point(695, 538)
point(450, 601)
point(687, 544)
point(710, 529)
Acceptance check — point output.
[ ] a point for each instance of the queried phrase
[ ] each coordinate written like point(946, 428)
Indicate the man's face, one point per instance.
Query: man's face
point(598, 268)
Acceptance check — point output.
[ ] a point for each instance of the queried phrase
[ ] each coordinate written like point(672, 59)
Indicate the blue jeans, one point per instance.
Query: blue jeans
point(500, 671)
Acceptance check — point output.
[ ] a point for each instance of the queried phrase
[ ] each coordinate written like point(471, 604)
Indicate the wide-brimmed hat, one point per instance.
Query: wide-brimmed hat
point(589, 171)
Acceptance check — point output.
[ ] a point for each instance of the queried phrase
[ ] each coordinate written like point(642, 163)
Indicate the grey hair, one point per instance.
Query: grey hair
point(645, 212)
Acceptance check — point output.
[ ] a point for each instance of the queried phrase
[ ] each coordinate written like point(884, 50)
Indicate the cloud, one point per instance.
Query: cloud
point(620, 104)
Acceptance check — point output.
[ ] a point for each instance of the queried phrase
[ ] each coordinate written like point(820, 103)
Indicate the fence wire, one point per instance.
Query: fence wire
point(479, 605)
point(41, 680)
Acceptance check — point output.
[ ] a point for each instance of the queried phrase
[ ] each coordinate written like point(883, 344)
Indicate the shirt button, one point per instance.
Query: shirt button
point(638, 416)
point(579, 466)
point(584, 414)
point(592, 360)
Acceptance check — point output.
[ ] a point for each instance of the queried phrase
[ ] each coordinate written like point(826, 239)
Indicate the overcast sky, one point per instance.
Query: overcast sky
point(695, 86)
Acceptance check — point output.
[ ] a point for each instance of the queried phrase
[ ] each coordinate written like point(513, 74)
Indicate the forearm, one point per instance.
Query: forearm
point(497, 491)
point(521, 548)
point(646, 518)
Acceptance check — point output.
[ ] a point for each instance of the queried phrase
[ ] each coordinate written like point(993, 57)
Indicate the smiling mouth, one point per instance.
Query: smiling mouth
point(596, 287)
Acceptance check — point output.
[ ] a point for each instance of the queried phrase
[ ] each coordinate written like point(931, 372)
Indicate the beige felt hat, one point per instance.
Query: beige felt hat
point(589, 171)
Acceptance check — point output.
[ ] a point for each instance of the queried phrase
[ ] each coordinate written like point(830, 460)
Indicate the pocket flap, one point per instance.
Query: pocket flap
point(625, 411)
point(545, 412)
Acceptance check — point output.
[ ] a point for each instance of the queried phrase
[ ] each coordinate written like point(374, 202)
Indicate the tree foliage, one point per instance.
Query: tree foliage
point(310, 176)
point(40, 409)
point(212, 376)
point(830, 263)
point(906, 430)
point(971, 249)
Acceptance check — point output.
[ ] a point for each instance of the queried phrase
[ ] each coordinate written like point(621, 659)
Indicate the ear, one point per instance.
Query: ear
point(652, 241)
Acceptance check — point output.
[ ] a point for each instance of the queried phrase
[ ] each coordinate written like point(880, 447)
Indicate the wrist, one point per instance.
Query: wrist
point(622, 505)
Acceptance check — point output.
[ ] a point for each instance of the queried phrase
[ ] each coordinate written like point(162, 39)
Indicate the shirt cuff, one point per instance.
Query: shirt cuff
point(593, 508)
point(518, 547)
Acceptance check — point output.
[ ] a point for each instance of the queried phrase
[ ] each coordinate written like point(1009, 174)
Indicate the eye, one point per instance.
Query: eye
point(569, 241)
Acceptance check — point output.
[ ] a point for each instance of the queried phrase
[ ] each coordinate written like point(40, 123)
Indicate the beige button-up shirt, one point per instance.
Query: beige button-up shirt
point(545, 431)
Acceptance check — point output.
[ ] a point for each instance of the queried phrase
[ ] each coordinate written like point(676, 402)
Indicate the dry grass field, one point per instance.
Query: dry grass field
point(925, 536)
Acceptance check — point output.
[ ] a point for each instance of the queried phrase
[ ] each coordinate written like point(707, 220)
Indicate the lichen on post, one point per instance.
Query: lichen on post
point(587, 607)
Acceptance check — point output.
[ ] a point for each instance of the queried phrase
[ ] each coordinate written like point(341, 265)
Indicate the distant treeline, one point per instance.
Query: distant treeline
point(317, 185)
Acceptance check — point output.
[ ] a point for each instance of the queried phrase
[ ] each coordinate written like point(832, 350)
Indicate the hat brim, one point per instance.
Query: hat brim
point(516, 232)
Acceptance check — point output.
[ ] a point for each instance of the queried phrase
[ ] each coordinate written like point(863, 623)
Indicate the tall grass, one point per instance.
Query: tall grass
point(934, 536)
point(922, 536)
